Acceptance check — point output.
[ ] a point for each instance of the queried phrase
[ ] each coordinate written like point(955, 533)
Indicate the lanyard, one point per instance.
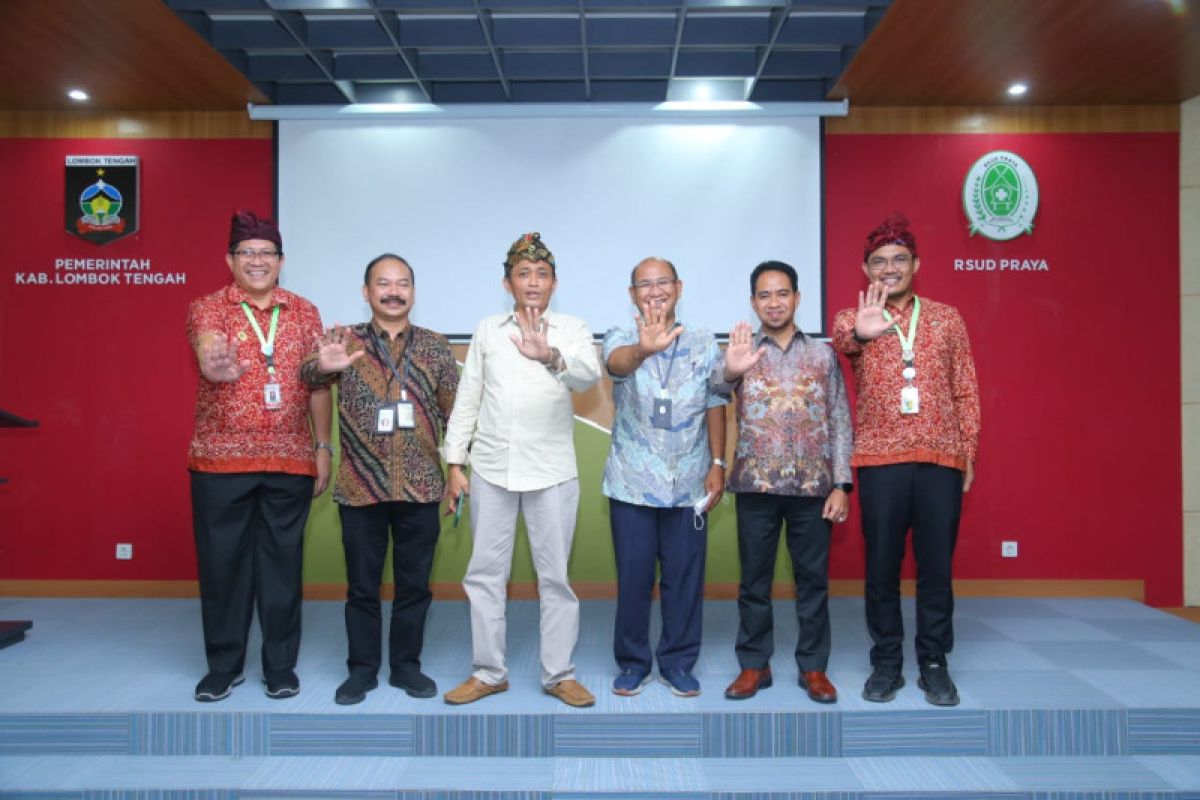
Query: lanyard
point(665, 377)
point(386, 357)
point(907, 342)
point(265, 344)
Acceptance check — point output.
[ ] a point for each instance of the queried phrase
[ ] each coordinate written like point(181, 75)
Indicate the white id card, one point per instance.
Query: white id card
point(405, 416)
point(272, 396)
point(385, 419)
point(910, 401)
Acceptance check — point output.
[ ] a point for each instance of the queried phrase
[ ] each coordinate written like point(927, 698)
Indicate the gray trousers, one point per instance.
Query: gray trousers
point(550, 521)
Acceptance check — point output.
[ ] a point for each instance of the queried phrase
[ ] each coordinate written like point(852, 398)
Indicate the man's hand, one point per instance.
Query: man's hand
point(870, 323)
point(457, 488)
point(969, 476)
point(837, 506)
point(714, 485)
point(532, 342)
point(740, 355)
point(332, 355)
point(218, 359)
point(655, 334)
point(324, 470)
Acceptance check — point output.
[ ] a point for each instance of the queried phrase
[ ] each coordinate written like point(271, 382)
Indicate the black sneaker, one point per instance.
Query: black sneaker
point(354, 689)
point(414, 683)
point(935, 682)
point(282, 684)
point(216, 686)
point(883, 684)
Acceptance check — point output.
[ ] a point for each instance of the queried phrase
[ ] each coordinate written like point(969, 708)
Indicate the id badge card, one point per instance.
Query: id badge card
point(385, 419)
point(910, 401)
point(660, 417)
point(272, 396)
point(405, 416)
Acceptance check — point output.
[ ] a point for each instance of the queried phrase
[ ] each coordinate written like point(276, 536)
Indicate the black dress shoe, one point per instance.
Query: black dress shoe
point(883, 684)
point(414, 683)
point(354, 689)
point(935, 682)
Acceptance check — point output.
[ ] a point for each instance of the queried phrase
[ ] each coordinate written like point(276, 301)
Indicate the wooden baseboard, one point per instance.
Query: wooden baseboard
point(586, 590)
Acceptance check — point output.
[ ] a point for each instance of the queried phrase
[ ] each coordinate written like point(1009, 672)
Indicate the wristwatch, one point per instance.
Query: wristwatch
point(845, 487)
point(720, 462)
point(324, 446)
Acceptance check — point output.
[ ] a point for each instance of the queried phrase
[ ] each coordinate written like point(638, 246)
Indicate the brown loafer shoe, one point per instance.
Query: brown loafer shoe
point(572, 693)
point(472, 689)
point(747, 683)
point(818, 687)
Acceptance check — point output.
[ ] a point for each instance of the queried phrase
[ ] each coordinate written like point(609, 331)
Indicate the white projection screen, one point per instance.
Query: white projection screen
point(716, 196)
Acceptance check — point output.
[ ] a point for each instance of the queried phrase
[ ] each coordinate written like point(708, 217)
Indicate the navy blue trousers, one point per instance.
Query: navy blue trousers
point(928, 499)
point(643, 538)
point(759, 518)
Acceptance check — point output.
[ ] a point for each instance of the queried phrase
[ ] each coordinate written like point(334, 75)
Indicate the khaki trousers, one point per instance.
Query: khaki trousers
point(550, 521)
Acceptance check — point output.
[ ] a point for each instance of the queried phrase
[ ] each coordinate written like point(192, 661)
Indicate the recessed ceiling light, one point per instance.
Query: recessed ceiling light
point(77, 94)
point(1017, 89)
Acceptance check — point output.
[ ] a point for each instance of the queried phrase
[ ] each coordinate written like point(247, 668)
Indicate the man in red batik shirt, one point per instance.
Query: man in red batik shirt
point(916, 437)
point(254, 467)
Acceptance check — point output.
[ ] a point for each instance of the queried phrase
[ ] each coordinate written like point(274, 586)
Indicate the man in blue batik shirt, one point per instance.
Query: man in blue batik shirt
point(664, 472)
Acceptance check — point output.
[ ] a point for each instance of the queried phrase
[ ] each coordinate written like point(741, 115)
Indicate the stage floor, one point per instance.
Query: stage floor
point(1093, 695)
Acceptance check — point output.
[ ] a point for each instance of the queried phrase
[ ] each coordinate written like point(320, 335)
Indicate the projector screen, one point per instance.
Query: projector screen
point(716, 196)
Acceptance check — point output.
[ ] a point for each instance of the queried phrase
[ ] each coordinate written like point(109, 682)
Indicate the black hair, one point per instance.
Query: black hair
point(774, 266)
point(412, 273)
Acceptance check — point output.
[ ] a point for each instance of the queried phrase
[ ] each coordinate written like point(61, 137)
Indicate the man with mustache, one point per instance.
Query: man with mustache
point(515, 417)
point(916, 440)
point(396, 385)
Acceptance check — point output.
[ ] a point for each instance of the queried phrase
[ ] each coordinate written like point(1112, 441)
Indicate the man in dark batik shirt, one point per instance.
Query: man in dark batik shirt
point(396, 387)
point(792, 465)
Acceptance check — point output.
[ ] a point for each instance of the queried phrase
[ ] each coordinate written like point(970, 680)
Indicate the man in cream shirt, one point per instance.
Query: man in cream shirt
point(514, 413)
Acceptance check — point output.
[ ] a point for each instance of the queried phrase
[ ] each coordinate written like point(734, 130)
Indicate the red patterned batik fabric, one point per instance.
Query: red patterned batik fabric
point(235, 431)
point(946, 429)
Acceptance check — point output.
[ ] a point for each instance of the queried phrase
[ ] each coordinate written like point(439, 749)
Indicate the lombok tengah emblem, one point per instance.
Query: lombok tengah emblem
point(101, 197)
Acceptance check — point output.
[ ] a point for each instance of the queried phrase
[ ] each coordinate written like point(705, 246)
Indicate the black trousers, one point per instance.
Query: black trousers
point(249, 530)
point(759, 517)
point(414, 531)
point(928, 499)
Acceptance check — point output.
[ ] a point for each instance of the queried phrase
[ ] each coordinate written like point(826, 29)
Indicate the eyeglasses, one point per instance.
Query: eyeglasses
point(879, 263)
point(661, 283)
point(250, 255)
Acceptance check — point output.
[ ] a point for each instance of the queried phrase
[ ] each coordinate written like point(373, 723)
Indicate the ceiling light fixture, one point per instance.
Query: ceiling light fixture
point(78, 95)
point(1017, 89)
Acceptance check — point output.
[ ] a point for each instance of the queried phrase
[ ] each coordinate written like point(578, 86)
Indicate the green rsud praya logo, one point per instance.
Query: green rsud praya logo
point(1000, 196)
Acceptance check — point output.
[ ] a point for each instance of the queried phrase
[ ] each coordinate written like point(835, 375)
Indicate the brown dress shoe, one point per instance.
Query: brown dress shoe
point(748, 682)
point(572, 693)
point(818, 686)
point(472, 689)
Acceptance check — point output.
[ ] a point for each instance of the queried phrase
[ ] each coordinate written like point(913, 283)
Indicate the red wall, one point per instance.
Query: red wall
point(1079, 366)
point(106, 369)
point(1080, 456)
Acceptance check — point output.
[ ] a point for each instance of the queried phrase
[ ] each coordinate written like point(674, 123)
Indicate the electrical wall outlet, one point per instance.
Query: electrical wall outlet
point(124, 552)
point(1008, 549)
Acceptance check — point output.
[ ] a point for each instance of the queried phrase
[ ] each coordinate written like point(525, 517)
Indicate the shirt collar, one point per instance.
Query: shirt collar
point(374, 326)
point(236, 295)
point(512, 318)
point(760, 336)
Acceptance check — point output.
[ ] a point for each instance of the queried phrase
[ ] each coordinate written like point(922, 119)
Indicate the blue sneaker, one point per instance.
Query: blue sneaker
point(630, 682)
point(681, 684)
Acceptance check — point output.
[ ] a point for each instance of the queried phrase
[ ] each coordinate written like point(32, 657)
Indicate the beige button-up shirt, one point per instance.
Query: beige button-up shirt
point(512, 413)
